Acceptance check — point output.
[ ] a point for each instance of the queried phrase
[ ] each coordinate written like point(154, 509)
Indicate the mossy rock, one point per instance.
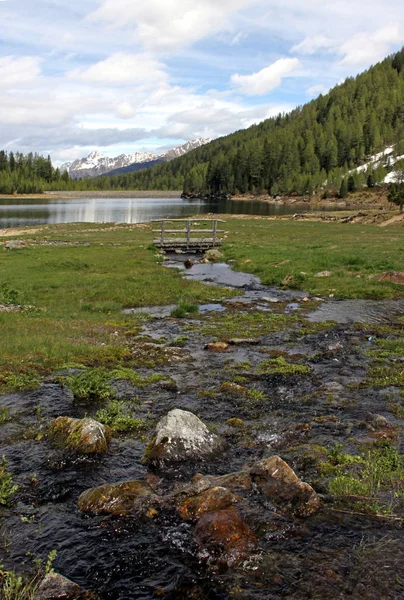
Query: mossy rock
point(85, 436)
point(118, 498)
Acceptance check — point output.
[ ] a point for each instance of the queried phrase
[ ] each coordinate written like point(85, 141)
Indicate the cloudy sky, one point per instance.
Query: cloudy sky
point(126, 75)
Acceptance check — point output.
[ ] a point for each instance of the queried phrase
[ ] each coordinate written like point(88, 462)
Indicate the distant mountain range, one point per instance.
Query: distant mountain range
point(96, 164)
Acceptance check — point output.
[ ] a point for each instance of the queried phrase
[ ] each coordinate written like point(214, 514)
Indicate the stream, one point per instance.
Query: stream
point(332, 554)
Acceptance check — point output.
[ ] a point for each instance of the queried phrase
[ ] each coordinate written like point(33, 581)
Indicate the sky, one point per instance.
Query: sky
point(119, 76)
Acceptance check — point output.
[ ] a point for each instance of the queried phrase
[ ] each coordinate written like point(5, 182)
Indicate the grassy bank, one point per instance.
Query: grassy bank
point(71, 283)
point(283, 252)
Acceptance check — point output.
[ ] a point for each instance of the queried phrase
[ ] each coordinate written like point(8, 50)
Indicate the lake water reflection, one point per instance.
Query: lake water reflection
point(18, 212)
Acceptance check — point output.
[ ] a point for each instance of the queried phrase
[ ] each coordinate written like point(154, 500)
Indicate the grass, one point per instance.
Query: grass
point(80, 291)
point(252, 324)
point(118, 416)
point(80, 288)
point(375, 477)
point(280, 366)
point(15, 587)
point(183, 309)
point(7, 486)
point(353, 253)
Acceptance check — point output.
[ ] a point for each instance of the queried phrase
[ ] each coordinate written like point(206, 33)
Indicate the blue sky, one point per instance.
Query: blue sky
point(122, 76)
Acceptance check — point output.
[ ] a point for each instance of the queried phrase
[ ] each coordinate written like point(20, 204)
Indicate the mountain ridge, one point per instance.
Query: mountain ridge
point(96, 163)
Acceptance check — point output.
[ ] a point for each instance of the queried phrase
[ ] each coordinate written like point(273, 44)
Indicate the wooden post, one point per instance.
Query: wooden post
point(163, 224)
point(214, 232)
point(188, 231)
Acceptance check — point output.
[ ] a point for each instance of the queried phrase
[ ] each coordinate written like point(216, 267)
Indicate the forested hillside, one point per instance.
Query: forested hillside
point(28, 174)
point(313, 146)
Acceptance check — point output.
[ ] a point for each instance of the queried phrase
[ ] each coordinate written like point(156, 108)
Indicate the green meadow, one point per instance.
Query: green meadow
point(72, 282)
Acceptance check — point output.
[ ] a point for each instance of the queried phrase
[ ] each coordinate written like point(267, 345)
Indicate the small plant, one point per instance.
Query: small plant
point(21, 382)
point(183, 309)
point(93, 384)
point(180, 341)
point(7, 487)
point(117, 416)
point(15, 587)
point(4, 415)
point(8, 295)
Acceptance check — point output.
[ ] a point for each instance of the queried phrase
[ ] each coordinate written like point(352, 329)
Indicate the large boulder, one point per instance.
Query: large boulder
point(224, 537)
point(81, 435)
point(181, 436)
point(119, 499)
point(57, 587)
point(274, 478)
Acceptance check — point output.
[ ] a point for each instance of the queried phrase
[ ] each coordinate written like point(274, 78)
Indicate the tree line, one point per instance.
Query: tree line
point(28, 174)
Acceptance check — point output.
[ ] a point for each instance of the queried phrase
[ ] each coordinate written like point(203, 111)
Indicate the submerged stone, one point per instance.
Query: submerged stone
point(180, 436)
point(81, 435)
point(118, 499)
point(57, 587)
point(224, 537)
point(211, 500)
point(274, 478)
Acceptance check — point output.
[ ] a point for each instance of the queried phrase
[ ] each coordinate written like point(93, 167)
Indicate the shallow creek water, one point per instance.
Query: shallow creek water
point(328, 556)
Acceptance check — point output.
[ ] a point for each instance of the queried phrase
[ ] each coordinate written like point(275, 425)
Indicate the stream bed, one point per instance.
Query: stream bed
point(340, 552)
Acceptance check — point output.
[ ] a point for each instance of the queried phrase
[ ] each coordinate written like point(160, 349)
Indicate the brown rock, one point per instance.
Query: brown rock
point(212, 500)
point(217, 347)
point(323, 274)
point(118, 498)
point(225, 536)
point(274, 478)
point(57, 587)
point(394, 276)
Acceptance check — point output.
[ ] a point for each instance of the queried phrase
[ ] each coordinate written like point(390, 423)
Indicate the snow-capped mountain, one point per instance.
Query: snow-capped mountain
point(96, 164)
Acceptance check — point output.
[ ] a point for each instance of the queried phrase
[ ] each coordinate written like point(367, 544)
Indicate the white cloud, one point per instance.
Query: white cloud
point(169, 24)
point(366, 48)
point(18, 71)
point(264, 81)
point(123, 69)
point(125, 110)
point(317, 89)
point(311, 45)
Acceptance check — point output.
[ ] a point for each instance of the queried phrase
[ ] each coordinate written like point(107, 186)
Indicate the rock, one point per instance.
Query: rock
point(212, 500)
point(217, 347)
point(118, 499)
point(234, 481)
point(57, 587)
point(81, 435)
point(377, 421)
point(224, 537)
point(213, 255)
point(394, 276)
point(274, 478)
point(244, 341)
point(188, 264)
point(15, 245)
point(233, 389)
point(323, 274)
point(180, 436)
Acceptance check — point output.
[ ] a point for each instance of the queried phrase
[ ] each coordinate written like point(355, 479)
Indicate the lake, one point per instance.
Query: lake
point(20, 212)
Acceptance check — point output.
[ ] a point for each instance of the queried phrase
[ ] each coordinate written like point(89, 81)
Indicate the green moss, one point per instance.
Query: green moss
point(236, 423)
point(280, 366)
point(250, 324)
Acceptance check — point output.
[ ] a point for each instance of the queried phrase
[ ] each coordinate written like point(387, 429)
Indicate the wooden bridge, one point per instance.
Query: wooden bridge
point(187, 242)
